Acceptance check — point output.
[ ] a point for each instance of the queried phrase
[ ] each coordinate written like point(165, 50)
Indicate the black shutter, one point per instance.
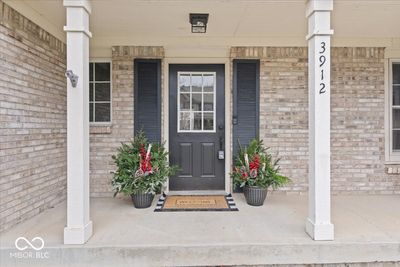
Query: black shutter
point(147, 106)
point(246, 111)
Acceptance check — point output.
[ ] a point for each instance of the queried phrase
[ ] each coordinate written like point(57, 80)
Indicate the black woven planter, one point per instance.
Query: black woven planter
point(142, 200)
point(254, 195)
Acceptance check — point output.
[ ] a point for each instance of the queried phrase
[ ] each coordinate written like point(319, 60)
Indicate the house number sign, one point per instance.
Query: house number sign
point(322, 67)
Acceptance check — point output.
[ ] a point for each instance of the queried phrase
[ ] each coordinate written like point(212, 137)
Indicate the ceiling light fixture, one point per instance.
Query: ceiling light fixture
point(199, 22)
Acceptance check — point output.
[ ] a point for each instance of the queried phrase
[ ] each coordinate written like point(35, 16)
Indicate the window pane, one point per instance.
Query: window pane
point(396, 95)
point(91, 112)
point(208, 121)
point(102, 92)
point(396, 118)
point(102, 112)
point(185, 102)
point(208, 81)
point(396, 73)
point(196, 102)
point(396, 140)
point(90, 71)
point(184, 82)
point(90, 91)
point(197, 121)
point(208, 102)
point(197, 82)
point(102, 71)
point(184, 122)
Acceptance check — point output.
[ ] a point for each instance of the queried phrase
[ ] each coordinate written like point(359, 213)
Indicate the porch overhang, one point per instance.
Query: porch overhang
point(231, 23)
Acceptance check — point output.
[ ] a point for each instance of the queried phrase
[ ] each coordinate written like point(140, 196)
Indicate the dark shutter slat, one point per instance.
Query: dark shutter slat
point(246, 101)
point(147, 98)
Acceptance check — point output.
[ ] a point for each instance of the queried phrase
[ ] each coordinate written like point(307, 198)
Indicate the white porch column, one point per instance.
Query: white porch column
point(318, 224)
point(79, 227)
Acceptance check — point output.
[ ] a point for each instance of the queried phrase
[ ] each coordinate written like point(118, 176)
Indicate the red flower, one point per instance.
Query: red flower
point(255, 163)
point(145, 163)
point(142, 151)
point(245, 176)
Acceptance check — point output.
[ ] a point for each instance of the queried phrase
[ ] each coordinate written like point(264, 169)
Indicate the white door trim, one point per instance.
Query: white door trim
point(228, 96)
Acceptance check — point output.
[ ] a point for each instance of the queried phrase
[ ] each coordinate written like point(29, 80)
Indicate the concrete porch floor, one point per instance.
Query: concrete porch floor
point(367, 229)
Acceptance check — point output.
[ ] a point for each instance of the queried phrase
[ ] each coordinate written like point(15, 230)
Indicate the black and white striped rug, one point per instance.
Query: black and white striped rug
point(196, 203)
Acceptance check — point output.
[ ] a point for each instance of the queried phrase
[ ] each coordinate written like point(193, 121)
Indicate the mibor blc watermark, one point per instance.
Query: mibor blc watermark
point(29, 249)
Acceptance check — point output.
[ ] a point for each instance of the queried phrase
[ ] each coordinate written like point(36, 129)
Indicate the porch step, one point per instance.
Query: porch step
point(204, 255)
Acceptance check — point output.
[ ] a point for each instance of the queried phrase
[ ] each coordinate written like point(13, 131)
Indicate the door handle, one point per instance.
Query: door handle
point(234, 120)
point(221, 143)
point(221, 152)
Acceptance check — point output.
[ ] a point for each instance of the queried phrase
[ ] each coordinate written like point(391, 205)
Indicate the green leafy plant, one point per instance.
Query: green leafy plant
point(142, 167)
point(254, 166)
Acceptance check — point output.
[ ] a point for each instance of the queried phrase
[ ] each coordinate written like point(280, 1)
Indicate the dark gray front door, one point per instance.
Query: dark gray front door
point(197, 126)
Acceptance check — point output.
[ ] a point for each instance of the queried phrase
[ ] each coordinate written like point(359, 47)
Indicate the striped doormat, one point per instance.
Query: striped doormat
point(196, 203)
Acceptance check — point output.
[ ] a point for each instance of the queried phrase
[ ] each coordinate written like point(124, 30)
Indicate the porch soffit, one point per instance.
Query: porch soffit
point(231, 23)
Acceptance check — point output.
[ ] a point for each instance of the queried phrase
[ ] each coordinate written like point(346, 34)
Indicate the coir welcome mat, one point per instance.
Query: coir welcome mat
point(196, 203)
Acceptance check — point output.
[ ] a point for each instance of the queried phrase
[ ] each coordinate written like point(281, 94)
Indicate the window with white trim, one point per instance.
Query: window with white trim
point(196, 101)
point(394, 85)
point(100, 92)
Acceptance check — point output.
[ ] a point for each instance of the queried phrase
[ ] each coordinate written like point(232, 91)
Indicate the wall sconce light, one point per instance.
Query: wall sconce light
point(199, 22)
point(72, 77)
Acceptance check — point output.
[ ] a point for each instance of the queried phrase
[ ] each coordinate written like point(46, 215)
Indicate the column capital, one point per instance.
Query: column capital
point(318, 13)
point(319, 33)
point(318, 5)
point(79, 3)
point(70, 29)
point(78, 12)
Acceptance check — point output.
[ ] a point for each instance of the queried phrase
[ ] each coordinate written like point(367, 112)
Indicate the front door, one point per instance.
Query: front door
point(197, 126)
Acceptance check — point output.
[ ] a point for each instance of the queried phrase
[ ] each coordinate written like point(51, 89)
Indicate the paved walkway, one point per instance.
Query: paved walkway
point(367, 228)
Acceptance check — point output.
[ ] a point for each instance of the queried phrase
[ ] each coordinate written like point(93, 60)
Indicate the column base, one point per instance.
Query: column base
point(78, 235)
point(320, 232)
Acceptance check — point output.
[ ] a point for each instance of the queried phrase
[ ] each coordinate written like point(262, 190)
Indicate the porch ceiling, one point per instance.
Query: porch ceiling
point(234, 22)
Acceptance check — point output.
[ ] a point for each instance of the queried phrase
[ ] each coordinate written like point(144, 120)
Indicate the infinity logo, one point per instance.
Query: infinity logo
point(29, 243)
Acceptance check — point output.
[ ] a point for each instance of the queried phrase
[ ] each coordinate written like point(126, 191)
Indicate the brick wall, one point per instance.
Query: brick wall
point(358, 125)
point(32, 119)
point(357, 108)
point(357, 116)
point(283, 107)
point(104, 140)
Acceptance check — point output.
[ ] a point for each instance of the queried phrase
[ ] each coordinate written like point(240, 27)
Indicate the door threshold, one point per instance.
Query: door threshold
point(197, 192)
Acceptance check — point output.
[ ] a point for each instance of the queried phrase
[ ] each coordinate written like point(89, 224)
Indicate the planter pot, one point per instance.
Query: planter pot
point(254, 195)
point(142, 200)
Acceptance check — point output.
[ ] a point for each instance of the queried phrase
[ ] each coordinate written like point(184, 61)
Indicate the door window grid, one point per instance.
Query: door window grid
point(193, 117)
point(100, 105)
